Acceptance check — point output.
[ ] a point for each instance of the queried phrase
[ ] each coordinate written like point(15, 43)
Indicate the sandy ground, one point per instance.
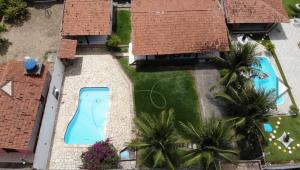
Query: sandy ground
point(36, 36)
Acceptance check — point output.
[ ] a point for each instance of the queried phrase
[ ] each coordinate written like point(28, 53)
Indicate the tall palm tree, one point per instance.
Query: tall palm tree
point(213, 140)
point(236, 64)
point(249, 106)
point(157, 140)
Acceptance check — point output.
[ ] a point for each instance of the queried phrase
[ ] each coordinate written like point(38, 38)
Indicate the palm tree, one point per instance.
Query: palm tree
point(213, 140)
point(236, 64)
point(249, 106)
point(157, 140)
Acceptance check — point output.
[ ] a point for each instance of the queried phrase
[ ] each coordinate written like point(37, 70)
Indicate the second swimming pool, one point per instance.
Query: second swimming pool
point(88, 124)
point(269, 83)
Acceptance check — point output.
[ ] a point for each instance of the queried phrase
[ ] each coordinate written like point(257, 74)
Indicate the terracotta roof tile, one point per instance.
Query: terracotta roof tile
point(177, 26)
point(255, 11)
point(67, 49)
point(87, 17)
point(18, 112)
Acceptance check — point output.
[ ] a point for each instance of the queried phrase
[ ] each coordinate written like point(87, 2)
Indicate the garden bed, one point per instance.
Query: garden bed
point(123, 26)
point(170, 89)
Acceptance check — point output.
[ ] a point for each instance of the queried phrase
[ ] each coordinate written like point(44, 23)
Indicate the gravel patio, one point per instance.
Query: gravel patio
point(100, 70)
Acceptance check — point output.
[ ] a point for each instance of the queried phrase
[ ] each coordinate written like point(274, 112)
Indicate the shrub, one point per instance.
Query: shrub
point(13, 9)
point(294, 110)
point(113, 42)
point(101, 156)
point(3, 28)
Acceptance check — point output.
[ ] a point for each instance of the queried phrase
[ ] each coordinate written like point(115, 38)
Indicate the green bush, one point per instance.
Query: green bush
point(3, 28)
point(113, 42)
point(13, 9)
point(294, 110)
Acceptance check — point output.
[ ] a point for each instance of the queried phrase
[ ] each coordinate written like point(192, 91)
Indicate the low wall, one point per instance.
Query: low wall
point(44, 144)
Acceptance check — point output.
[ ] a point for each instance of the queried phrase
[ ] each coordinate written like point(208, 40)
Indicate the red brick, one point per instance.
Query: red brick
point(15, 127)
point(255, 11)
point(87, 17)
point(177, 26)
point(67, 49)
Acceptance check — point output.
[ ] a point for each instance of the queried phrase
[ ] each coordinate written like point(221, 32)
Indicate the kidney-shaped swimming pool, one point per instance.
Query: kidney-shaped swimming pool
point(88, 124)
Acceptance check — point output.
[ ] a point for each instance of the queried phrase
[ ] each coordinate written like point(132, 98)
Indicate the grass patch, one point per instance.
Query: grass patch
point(123, 26)
point(289, 6)
point(176, 87)
point(287, 124)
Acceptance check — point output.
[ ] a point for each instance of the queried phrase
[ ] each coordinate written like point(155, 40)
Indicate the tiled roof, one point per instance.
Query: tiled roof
point(67, 49)
point(177, 26)
point(18, 112)
point(255, 11)
point(87, 17)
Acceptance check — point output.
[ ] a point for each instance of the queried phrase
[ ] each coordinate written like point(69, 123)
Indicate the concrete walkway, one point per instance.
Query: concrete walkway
point(286, 38)
point(206, 76)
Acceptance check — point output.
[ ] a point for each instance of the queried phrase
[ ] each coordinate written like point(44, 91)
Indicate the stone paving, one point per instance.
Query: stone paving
point(93, 71)
point(286, 37)
point(206, 76)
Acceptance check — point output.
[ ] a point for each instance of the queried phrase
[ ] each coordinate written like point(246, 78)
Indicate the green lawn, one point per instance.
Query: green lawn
point(287, 124)
point(123, 26)
point(290, 7)
point(171, 89)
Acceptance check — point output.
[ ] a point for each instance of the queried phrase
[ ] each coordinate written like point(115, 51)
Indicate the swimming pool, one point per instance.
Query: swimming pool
point(88, 124)
point(269, 83)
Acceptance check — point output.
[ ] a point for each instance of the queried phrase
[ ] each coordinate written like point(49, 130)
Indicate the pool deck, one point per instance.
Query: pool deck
point(97, 70)
point(285, 107)
point(282, 109)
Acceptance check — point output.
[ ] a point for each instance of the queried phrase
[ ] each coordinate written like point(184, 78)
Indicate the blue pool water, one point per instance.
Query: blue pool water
point(267, 127)
point(269, 83)
point(88, 124)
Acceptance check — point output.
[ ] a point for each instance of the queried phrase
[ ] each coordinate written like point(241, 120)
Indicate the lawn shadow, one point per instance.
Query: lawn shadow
point(4, 45)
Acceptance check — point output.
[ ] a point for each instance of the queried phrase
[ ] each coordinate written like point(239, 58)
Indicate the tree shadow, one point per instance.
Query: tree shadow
point(4, 45)
point(19, 21)
point(44, 4)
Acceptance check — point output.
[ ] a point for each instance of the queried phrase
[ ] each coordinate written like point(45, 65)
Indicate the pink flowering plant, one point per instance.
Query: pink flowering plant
point(102, 155)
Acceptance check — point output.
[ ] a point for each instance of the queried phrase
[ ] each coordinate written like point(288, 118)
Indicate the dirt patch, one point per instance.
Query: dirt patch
point(36, 36)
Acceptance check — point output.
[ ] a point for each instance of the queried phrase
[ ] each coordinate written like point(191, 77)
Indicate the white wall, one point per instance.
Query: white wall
point(43, 148)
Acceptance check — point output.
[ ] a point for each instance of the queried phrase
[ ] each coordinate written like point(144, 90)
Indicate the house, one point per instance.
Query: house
point(23, 93)
point(254, 16)
point(176, 28)
point(88, 21)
